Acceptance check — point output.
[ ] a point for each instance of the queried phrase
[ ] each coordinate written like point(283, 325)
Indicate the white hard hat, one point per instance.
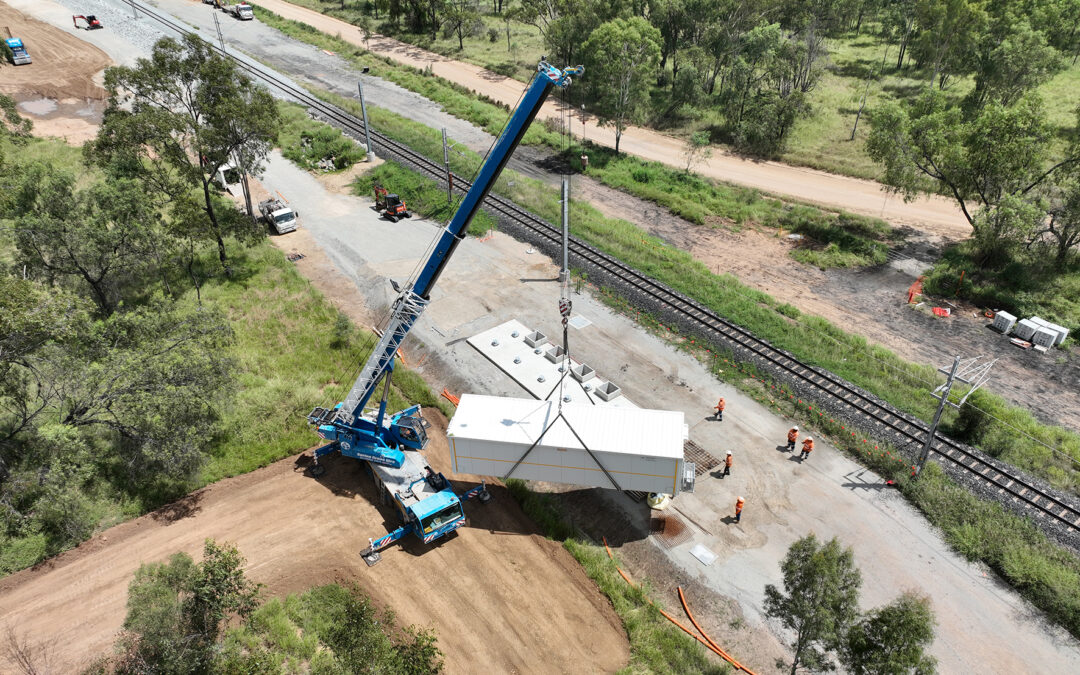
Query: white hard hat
point(809, 438)
point(729, 452)
point(796, 427)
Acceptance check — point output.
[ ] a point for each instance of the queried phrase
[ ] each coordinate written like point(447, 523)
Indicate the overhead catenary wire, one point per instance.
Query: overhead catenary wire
point(462, 193)
point(1006, 481)
point(861, 349)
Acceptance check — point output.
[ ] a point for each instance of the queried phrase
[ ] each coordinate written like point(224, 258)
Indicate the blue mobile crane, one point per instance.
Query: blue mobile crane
point(426, 502)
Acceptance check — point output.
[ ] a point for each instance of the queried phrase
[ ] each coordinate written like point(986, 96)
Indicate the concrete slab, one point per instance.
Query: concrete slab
point(527, 362)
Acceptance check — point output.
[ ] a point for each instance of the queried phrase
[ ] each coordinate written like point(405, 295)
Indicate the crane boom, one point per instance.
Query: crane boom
point(376, 439)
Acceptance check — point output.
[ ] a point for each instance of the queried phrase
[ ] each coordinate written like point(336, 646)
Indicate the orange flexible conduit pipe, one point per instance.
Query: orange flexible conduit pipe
point(725, 655)
point(710, 645)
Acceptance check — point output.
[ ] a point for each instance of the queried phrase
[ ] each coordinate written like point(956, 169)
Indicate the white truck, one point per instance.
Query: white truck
point(241, 10)
point(282, 218)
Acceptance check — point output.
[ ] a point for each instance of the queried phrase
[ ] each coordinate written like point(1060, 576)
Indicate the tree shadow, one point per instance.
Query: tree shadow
point(182, 508)
point(855, 485)
point(858, 70)
point(904, 91)
point(349, 478)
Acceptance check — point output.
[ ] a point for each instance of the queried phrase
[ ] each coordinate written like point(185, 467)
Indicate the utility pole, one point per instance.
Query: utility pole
point(564, 275)
point(363, 110)
point(449, 176)
point(972, 373)
point(583, 124)
point(569, 123)
point(134, 15)
point(217, 27)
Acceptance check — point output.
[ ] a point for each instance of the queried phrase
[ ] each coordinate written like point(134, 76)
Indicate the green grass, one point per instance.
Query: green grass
point(1030, 287)
point(289, 361)
point(692, 197)
point(656, 645)
point(835, 239)
point(421, 195)
point(322, 630)
point(853, 241)
point(812, 339)
point(822, 140)
point(306, 141)
point(517, 60)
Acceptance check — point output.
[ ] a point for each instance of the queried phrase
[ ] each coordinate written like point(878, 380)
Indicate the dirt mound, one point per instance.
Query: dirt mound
point(496, 592)
point(64, 66)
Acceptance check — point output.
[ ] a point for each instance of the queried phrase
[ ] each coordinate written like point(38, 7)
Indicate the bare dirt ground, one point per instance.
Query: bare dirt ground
point(61, 90)
point(496, 593)
point(862, 196)
point(871, 302)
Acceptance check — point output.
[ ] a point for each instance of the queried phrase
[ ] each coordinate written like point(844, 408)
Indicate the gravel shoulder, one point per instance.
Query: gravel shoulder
point(980, 620)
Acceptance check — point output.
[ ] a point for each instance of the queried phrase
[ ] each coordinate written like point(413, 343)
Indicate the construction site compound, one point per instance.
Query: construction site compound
point(497, 593)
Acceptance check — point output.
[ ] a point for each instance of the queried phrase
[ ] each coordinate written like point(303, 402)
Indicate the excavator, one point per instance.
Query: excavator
point(389, 205)
point(92, 22)
point(426, 502)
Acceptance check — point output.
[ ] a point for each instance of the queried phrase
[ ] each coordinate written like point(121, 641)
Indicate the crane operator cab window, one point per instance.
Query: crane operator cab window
point(442, 518)
point(411, 430)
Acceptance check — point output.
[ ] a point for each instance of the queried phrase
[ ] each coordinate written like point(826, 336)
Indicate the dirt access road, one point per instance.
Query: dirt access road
point(934, 214)
point(496, 593)
point(61, 90)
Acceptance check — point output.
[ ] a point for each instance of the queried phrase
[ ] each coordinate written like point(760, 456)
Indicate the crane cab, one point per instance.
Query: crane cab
point(410, 430)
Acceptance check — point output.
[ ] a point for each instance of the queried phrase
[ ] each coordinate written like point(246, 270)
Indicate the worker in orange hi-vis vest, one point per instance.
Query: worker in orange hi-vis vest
point(807, 447)
point(792, 436)
point(720, 409)
point(738, 508)
point(727, 465)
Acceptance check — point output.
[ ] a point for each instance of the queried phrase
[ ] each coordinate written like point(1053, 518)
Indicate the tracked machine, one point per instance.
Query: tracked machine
point(91, 22)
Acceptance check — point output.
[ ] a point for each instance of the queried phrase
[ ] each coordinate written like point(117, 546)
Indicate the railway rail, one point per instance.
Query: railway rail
point(1009, 484)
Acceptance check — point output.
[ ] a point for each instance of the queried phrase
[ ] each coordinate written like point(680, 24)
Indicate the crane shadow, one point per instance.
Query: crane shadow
point(557, 514)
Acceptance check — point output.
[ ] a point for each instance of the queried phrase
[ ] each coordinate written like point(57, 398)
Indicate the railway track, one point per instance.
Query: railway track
point(1007, 483)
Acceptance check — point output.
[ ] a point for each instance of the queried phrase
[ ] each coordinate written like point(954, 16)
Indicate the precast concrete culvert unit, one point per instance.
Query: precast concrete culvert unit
point(592, 446)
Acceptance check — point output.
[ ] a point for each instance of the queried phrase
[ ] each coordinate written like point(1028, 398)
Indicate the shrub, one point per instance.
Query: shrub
point(308, 142)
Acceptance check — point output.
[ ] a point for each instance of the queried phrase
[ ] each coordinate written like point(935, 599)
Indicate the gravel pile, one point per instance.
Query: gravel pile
point(116, 17)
